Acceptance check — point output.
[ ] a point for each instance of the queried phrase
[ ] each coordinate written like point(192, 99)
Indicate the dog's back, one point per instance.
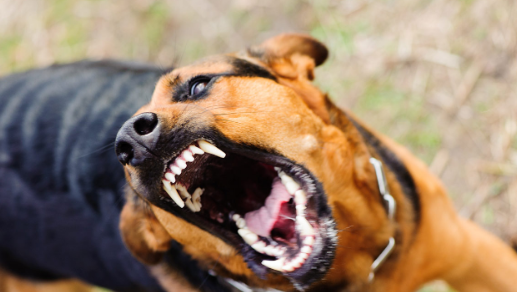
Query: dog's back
point(60, 182)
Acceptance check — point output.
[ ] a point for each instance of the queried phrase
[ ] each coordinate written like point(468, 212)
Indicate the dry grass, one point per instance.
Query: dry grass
point(438, 76)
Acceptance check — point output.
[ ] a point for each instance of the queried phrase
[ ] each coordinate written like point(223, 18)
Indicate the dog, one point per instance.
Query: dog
point(264, 182)
point(63, 190)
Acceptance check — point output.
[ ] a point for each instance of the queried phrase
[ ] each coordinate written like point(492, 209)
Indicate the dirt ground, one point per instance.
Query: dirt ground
point(440, 77)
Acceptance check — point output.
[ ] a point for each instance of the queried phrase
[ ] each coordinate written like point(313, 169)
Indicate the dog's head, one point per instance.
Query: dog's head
point(241, 159)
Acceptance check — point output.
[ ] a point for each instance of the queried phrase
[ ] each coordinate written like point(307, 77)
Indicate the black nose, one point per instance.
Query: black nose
point(137, 138)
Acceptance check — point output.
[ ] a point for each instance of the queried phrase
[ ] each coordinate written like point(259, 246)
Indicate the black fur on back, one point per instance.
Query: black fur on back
point(61, 186)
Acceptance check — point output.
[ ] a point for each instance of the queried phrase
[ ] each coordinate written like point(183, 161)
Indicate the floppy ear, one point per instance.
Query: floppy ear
point(143, 235)
point(291, 55)
point(292, 58)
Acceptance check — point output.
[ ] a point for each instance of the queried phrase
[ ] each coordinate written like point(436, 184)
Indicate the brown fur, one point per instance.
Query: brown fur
point(300, 122)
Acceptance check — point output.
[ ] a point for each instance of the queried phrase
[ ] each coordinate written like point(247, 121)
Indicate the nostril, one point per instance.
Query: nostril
point(125, 152)
point(145, 124)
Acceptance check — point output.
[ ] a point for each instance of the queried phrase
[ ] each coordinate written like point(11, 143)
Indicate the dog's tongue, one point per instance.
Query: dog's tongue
point(261, 221)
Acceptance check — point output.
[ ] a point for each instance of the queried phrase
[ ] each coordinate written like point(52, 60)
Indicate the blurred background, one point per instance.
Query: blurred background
point(438, 76)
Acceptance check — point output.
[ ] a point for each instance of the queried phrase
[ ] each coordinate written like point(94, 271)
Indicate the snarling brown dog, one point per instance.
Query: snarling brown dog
point(261, 178)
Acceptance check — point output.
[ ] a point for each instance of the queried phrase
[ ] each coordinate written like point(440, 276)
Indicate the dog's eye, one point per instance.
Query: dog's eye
point(197, 86)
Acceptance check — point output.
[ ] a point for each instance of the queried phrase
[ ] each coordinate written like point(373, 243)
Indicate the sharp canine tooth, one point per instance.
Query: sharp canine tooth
point(173, 193)
point(187, 156)
point(278, 169)
point(240, 222)
point(275, 265)
point(180, 163)
point(209, 148)
point(190, 205)
point(259, 246)
point(169, 176)
point(289, 183)
point(300, 208)
point(300, 198)
point(305, 226)
point(196, 150)
point(248, 236)
point(183, 191)
point(176, 170)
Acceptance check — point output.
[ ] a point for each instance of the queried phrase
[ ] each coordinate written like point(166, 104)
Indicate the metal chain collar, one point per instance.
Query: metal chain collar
point(391, 209)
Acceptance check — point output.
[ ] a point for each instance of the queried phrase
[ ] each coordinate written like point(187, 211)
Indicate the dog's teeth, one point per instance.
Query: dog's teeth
point(275, 265)
point(300, 198)
point(170, 177)
point(187, 156)
point(196, 198)
point(270, 250)
point(273, 250)
point(306, 249)
point(190, 205)
point(196, 150)
point(289, 183)
point(176, 170)
point(235, 217)
point(300, 209)
point(248, 236)
point(279, 251)
point(278, 169)
point(173, 193)
point(240, 222)
point(259, 246)
point(209, 148)
point(297, 262)
point(288, 267)
point(183, 191)
point(309, 240)
point(180, 163)
point(305, 227)
point(304, 256)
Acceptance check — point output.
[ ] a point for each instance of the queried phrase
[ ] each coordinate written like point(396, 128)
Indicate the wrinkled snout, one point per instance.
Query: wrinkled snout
point(137, 138)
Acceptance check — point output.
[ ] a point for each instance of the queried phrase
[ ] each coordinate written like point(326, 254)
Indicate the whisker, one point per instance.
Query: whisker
point(101, 149)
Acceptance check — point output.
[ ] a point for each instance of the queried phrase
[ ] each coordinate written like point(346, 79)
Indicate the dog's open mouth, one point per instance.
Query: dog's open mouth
point(268, 202)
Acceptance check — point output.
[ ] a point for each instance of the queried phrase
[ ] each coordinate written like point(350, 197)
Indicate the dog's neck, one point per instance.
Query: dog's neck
point(470, 256)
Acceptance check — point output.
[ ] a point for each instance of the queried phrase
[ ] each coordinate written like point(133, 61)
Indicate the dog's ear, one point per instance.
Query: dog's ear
point(291, 55)
point(142, 233)
point(292, 58)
